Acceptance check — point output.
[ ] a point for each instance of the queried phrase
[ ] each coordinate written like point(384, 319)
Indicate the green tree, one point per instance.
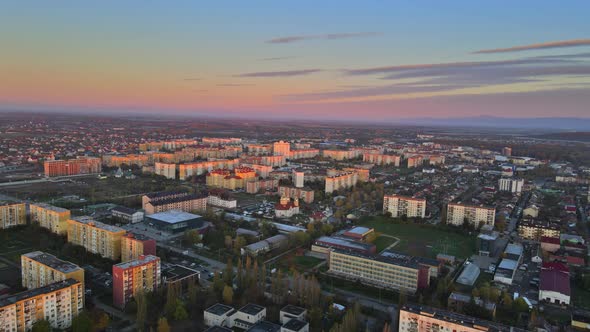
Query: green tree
point(141, 316)
point(180, 312)
point(41, 326)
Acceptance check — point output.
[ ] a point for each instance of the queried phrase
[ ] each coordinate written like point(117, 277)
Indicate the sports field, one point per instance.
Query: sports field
point(423, 240)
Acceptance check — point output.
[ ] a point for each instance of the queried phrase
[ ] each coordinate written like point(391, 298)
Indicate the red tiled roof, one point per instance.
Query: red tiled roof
point(555, 280)
point(573, 260)
point(553, 240)
point(555, 266)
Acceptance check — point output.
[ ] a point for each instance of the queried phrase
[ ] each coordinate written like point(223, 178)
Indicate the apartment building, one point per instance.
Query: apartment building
point(166, 170)
point(305, 194)
point(304, 153)
point(281, 148)
point(50, 217)
point(414, 161)
point(202, 167)
point(475, 216)
point(512, 185)
point(436, 159)
point(403, 205)
point(221, 140)
point(57, 303)
point(389, 269)
point(134, 246)
point(363, 173)
point(415, 318)
point(342, 154)
point(130, 159)
point(341, 181)
point(40, 269)
point(130, 278)
point(166, 201)
point(83, 165)
point(12, 214)
point(256, 186)
point(96, 237)
point(246, 173)
point(259, 149)
point(261, 170)
point(381, 159)
point(532, 229)
point(222, 199)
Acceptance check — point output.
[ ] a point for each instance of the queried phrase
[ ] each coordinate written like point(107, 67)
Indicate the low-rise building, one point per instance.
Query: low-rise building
point(222, 199)
point(218, 315)
point(58, 303)
point(287, 209)
point(292, 312)
point(266, 245)
point(176, 221)
point(50, 217)
point(40, 269)
point(127, 215)
point(130, 278)
point(226, 316)
point(325, 244)
point(295, 325)
point(359, 233)
point(554, 283)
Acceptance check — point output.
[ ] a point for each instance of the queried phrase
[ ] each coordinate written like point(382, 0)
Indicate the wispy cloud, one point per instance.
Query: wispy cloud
point(286, 73)
point(540, 46)
point(235, 84)
point(278, 58)
point(330, 36)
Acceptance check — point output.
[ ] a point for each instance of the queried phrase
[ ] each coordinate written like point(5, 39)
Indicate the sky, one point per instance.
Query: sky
point(343, 60)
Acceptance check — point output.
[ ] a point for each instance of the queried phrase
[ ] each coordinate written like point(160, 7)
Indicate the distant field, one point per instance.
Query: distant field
point(421, 240)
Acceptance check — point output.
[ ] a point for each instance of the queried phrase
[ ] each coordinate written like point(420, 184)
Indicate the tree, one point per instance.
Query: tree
point(100, 320)
point(239, 243)
point(180, 312)
point(192, 237)
point(82, 322)
point(520, 305)
point(228, 295)
point(141, 317)
point(41, 326)
point(163, 325)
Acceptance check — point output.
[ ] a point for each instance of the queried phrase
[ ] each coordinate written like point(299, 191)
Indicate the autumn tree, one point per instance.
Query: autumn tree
point(163, 325)
point(228, 295)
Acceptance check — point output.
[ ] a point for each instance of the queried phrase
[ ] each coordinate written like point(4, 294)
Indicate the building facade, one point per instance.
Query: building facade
point(40, 269)
point(134, 246)
point(167, 170)
point(305, 194)
point(85, 165)
point(12, 214)
point(281, 148)
point(166, 201)
point(130, 278)
point(402, 205)
point(96, 237)
point(458, 214)
point(341, 181)
point(512, 185)
point(381, 159)
point(50, 217)
point(535, 230)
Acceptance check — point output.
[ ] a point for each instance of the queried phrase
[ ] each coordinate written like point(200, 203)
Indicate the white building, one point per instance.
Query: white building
point(298, 178)
point(220, 201)
point(511, 185)
point(226, 316)
point(458, 213)
point(402, 205)
point(166, 170)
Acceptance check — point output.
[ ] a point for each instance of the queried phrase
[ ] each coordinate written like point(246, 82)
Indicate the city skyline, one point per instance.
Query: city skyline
point(345, 61)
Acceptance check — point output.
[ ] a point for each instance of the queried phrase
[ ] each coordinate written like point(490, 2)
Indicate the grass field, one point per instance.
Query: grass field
point(423, 240)
point(300, 263)
point(382, 242)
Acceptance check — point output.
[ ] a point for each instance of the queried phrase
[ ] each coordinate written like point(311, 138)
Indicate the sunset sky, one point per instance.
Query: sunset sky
point(380, 60)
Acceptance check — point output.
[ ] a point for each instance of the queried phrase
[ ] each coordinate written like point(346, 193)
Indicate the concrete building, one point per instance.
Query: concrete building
point(264, 246)
point(166, 170)
point(12, 214)
point(134, 246)
point(475, 216)
point(298, 178)
point(96, 237)
point(415, 161)
point(512, 185)
point(325, 244)
point(414, 318)
point(50, 217)
point(256, 186)
point(403, 205)
point(362, 234)
point(305, 194)
point(226, 316)
point(202, 167)
point(129, 278)
point(58, 303)
point(389, 269)
point(286, 209)
point(130, 159)
point(507, 151)
point(341, 181)
point(223, 178)
point(295, 325)
point(82, 165)
point(218, 315)
point(176, 221)
point(259, 149)
point(281, 148)
point(292, 312)
point(222, 199)
point(166, 201)
point(40, 269)
point(381, 159)
point(554, 283)
point(532, 229)
point(303, 153)
point(342, 154)
point(127, 215)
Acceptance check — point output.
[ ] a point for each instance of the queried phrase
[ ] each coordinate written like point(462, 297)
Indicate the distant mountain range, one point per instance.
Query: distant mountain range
point(559, 124)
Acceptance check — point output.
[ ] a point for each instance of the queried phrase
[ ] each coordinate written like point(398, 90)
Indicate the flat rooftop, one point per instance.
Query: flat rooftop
point(219, 309)
point(264, 326)
point(359, 230)
point(251, 309)
point(293, 310)
point(89, 220)
point(52, 261)
point(218, 329)
point(37, 291)
point(295, 325)
point(178, 272)
point(138, 262)
point(338, 241)
point(173, 216)
point(50, 207)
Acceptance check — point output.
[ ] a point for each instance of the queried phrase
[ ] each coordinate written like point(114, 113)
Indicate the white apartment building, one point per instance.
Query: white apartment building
point(166, 170)
point(511, 185)
point(402, 205)
point(457, 213)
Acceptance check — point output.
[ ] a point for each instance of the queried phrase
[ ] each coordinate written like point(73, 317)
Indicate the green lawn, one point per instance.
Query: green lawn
point(300, 263)
point(423, 240)
point(383, 242)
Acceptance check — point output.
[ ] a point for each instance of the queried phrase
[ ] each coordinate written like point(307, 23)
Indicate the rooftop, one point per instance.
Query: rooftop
point(173, 216)
point(138, 262)
point(293, 310)
point(37, 291)
point(124, 209)
point(178, 272)
point(338, 241)
point(52, 261)
point(295, 325)
point(219, 309)
point(218, 329)
point(251, 309)
point(177, 199)
point(50, 207)
point(359, 230)
point(90, 221)
point(264, 326)
point(555, 280)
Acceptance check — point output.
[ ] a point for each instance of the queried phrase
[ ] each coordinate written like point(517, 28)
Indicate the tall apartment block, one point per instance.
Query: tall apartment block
point(12, 214)
point(402, 205)
point(58, 303)
point(341, 181)
point(281, 148)
point(83, 165)
point(475, 216)
point(40, 269)
point(96, 237)
point(134, 246)
point(50, 217)
point(130, 278)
